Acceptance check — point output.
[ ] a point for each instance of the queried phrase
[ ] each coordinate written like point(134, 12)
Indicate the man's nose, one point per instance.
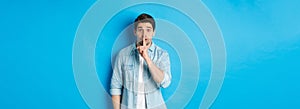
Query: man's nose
point(143, 34)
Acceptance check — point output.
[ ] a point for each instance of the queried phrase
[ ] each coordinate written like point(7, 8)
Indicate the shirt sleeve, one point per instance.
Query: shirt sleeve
point(117, 79)
point(165, 66)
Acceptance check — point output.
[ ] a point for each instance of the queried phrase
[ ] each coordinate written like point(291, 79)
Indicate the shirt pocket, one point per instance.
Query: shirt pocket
point(129, 76)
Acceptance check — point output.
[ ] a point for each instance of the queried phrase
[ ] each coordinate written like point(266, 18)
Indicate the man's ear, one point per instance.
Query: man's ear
point(134, 32)
point(154, 33)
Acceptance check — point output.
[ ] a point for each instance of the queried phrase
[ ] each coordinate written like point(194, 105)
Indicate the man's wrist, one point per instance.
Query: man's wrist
point(148, 61)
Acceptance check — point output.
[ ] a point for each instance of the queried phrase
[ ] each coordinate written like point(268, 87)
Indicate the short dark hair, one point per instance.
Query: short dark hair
point(144, 18)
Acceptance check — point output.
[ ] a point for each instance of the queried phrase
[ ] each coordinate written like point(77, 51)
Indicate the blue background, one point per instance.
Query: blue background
point(262, 41)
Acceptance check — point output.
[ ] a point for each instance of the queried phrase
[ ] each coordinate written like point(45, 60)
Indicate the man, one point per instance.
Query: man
point(140, 70)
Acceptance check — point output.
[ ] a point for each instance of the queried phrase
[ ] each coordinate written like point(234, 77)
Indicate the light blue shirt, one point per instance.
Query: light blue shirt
point(124, 80)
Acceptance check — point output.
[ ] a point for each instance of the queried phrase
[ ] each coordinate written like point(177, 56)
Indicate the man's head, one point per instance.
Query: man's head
point(144, 28)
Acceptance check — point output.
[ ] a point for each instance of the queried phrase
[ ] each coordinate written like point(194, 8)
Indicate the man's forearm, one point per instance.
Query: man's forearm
point(156, 73)
point(116, 101)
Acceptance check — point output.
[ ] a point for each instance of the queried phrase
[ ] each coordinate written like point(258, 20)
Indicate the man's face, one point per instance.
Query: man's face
point(144, 30)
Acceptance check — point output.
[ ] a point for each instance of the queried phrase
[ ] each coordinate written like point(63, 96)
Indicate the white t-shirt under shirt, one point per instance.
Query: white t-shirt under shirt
point(141, 100)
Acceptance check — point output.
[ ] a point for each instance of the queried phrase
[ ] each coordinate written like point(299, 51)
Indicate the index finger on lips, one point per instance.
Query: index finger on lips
point(144, 42)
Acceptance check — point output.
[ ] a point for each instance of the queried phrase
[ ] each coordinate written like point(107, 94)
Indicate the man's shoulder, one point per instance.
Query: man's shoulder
point(126, 51)
point(160, 50)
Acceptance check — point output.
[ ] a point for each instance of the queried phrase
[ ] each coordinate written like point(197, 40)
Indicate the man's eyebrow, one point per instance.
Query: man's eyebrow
point(148, 27)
